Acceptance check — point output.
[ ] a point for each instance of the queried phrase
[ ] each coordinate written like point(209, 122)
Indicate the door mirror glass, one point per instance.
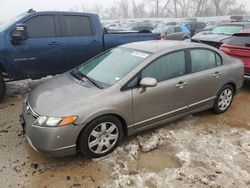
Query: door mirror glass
point(148, 82)
point(20, 33)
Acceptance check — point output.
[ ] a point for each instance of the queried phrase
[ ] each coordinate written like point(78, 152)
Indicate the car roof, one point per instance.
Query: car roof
point(156, 46)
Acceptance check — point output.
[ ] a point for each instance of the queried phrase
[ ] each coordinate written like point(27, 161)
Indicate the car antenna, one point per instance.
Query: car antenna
point(31, 10)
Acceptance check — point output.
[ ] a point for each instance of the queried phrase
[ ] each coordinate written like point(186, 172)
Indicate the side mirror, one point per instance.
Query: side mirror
point(147, 82)
point(20, 33)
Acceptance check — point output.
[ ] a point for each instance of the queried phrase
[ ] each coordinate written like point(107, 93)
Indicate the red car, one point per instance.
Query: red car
point(238, 46)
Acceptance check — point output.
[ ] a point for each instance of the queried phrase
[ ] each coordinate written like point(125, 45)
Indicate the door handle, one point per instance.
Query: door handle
point(54, 44)
point(181, 84)
point(217, 74)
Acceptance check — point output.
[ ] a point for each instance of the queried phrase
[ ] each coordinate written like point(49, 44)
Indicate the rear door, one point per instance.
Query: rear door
point(81, 41)
point(168, 98)
point(206, 78)
point(41, 53)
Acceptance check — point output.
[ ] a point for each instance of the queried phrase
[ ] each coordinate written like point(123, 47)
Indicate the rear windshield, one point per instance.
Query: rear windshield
point(227, 29)
point(239, 41)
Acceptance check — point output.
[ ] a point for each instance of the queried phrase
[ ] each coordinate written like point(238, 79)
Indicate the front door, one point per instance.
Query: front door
point(41, 53)
point(168, 98)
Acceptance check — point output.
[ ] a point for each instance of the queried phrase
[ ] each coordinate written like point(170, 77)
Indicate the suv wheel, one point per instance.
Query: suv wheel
point(2, 87)
point(101, 137)
point(224, 99)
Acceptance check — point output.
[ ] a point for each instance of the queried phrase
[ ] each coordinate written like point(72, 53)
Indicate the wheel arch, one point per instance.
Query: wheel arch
point(123, 121)
point(233, 86)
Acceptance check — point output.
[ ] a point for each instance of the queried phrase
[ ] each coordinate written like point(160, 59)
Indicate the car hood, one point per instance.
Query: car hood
point(61, 96)
point(210, 37)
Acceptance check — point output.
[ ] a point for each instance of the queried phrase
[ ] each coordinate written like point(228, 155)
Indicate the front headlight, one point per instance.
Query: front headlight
point(54, 121)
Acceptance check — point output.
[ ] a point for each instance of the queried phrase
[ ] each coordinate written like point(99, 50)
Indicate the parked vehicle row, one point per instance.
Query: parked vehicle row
point(37, 44)
point(124, 91)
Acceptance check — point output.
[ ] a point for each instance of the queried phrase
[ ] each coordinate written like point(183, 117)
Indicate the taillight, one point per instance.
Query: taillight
point(244, 52)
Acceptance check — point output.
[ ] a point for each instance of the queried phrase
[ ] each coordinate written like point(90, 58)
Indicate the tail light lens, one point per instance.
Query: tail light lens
point(244, 52)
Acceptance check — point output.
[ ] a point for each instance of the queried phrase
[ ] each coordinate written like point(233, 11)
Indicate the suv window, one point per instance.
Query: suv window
point(204, 59)
point(166, 67)
point(41, 27)
point(77, 26)
point(241, 40)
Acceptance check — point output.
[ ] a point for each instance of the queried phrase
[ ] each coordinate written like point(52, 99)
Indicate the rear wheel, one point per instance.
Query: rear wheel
point(2, 87)
point(224, 99)
point(101, 137)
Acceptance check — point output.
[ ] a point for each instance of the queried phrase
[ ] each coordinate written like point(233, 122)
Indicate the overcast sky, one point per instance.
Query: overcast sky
point(10, 8)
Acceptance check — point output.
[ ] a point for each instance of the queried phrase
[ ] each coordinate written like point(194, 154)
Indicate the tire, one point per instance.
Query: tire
point(224, 99)
point(2, 87)
point(95, 142)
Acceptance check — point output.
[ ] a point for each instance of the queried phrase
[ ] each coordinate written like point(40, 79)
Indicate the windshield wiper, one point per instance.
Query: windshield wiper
point(78, 75)
point(92, 81)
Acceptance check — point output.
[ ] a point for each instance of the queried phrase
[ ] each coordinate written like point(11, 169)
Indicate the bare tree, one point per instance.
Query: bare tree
point(123, 6)
point(222, 5)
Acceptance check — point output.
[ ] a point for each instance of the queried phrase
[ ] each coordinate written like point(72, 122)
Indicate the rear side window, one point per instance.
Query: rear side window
point(166, 67)
point(41, 27)
point(77, 26)
point(239, 41)
point(203, 59)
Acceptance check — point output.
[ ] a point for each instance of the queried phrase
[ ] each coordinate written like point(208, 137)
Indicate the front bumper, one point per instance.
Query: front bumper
point(51, 141)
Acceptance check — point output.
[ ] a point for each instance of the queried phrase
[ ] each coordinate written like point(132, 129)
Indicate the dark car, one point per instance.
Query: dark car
point(239, 47)
point(37, 44)
point(220, 34)
point(194, 26)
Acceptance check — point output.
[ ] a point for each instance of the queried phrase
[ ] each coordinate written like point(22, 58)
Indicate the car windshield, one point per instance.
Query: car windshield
point(227, 29)
point(11, 21)
point(113, 65)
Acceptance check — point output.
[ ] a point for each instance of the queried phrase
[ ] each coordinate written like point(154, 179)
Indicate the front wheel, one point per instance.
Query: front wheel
point(101, 137)
point(224, 99)
point(2, 87)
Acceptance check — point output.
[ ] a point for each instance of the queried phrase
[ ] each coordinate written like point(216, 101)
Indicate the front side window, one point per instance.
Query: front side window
point(204, 59)
point(77, 26)
point(113, 65)
point(166, 67)
point(41, 27)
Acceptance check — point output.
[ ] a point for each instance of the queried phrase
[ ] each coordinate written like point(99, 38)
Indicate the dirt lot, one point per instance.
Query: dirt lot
point(203, 150)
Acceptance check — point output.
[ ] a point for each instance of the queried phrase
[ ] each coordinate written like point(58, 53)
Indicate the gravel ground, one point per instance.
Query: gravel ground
point(203, 150)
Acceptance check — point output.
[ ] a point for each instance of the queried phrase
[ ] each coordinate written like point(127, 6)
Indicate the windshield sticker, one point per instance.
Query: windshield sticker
point(117, 78)
point(140, 54)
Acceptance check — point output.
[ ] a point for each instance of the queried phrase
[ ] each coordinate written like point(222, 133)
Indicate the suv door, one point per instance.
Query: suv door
point(80, 39)
point(168, 98)
point(41, 53)
point(206, 78)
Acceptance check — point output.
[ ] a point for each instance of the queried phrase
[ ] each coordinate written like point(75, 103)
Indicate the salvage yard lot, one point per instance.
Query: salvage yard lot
point(203, 150)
